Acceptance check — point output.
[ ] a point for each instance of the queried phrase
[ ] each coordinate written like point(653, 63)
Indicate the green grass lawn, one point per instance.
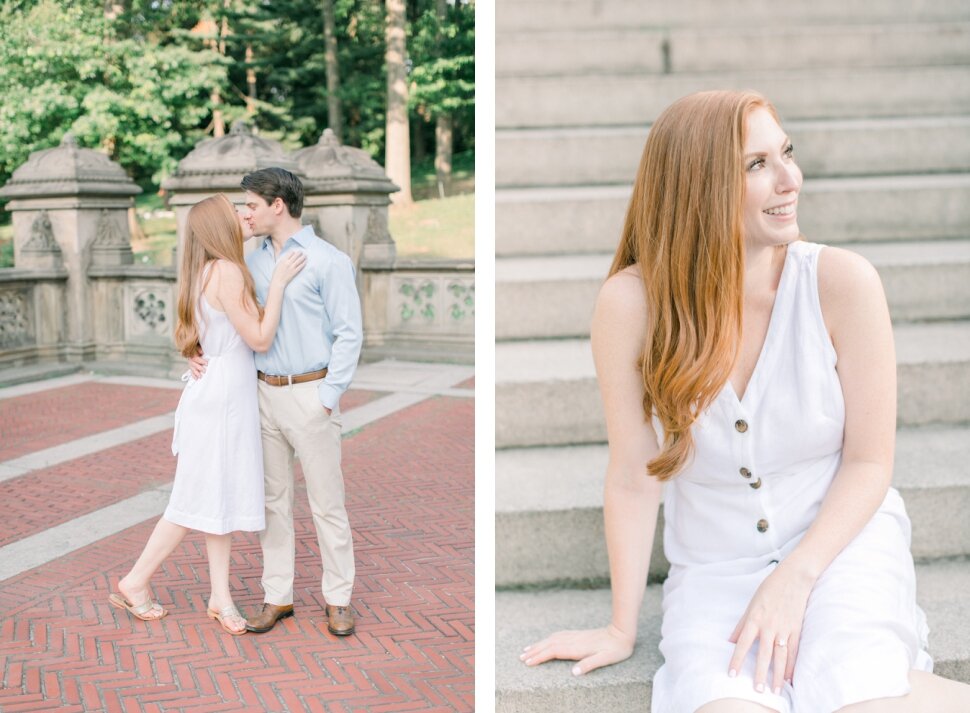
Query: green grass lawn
point(435, 229)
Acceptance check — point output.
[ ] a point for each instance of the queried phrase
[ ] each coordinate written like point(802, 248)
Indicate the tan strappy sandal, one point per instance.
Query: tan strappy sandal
point(223, 614)
point(139, 611)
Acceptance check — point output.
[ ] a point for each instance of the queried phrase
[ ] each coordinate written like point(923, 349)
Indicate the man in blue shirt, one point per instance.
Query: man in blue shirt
point(300, 380)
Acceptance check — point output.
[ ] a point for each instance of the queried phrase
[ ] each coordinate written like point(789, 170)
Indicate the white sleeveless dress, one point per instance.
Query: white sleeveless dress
point(219, 478)
point(761, 467)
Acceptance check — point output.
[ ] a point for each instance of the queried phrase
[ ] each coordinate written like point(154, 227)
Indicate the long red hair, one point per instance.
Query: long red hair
point(683, 230)
point(212, 232)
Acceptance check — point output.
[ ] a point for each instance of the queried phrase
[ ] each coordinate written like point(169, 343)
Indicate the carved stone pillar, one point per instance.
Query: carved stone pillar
point(217, 166)
point(346, 201)
point(70, 211)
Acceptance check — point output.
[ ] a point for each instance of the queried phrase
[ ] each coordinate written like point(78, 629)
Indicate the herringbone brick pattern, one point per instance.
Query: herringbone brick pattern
point(95, 481)
point(410, 491)
point(36, 421)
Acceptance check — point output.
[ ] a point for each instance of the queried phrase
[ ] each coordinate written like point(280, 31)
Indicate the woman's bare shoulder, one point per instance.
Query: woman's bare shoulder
point(842, 273)
point(838, 268)
point(223, 269)
point(622, 301)
point(848, 287)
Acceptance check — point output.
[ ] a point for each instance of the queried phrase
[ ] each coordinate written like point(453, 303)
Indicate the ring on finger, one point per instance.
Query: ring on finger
point(781, 643)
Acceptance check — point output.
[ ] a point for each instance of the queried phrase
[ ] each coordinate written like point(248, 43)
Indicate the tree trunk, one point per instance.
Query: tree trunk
point(443, 131)
point(218, 122)
point(250, 82)
point(442, 156)
point(418, 152)
point(334, 111)
point(397, 151)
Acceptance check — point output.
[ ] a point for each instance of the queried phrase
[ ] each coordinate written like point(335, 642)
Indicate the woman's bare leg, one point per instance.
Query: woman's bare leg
point(219, 549)
point(929, 693)
point(164, 539)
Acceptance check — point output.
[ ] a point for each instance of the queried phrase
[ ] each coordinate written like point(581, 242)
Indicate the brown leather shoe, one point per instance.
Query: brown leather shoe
point(267, 617)
point(340, 620)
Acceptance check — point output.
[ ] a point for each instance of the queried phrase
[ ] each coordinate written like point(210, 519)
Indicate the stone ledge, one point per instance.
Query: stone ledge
point(526, 617)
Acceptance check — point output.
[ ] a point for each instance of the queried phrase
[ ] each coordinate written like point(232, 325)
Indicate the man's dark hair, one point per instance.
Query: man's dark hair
point(272, 183)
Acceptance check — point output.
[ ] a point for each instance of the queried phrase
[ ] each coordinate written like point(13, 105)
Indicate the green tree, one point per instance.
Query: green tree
point(443, 76)
point(67, 67)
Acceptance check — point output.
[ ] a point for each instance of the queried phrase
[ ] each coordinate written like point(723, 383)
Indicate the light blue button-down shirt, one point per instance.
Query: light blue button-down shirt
point(320, 324)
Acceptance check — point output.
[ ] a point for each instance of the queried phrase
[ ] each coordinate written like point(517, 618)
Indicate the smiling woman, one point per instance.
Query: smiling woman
point(754, 373)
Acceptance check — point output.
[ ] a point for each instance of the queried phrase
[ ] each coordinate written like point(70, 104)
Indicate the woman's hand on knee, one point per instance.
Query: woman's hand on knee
point(591, 648)
point(773, 621)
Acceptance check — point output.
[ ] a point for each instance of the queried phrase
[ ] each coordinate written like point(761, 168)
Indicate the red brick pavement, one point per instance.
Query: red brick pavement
point(36, 421)
point(50, 496)
point(410, 491)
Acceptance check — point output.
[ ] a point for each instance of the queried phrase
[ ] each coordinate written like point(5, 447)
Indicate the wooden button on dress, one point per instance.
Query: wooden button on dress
point(756, 484)
point(762, 525)
point(741, 426)
point(745, 473)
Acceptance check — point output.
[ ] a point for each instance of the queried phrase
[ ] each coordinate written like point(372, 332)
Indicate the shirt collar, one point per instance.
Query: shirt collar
point(302, 237)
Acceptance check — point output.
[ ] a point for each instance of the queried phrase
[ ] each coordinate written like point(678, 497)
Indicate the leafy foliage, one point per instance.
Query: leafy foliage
point(143, 84)
point(64, 67)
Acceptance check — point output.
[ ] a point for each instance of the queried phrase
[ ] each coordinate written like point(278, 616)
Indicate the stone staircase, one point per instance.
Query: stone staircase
point(876, 98)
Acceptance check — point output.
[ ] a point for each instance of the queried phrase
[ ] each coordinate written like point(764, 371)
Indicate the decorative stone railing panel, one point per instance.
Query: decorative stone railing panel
point(149, 313)
point(16, 324)
point(32, 311)
point(431, 302)
point(420, 310)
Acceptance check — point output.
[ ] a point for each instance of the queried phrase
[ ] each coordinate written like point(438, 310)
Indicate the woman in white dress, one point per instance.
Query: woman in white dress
point(753, 373)
point(219, 477)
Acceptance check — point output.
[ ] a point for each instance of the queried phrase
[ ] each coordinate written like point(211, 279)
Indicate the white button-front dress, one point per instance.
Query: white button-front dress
point(760, 470)
point(219, 477)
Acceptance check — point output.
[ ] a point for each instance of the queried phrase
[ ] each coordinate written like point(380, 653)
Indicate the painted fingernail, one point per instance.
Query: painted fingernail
point(521, 657)
point(732, 673)
point(576, 671)
point(526, 648)
point(760, 688)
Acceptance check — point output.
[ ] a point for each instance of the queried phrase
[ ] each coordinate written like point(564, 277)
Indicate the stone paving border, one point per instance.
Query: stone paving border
point(409, 383)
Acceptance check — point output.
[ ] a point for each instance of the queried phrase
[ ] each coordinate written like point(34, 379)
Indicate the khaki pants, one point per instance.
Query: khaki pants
point(293, 419)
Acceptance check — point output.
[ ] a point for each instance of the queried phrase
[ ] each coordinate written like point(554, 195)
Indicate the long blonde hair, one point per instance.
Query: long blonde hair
point(212, 232)
point(683, 230)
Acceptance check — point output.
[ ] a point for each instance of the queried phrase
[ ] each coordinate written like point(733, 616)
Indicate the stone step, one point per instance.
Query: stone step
point(541, 15)
point(526, 617)
point(588, 219)
point(549, 507)
point(703, 49)
point(553, 296)
point(612, 99)
point(823, 148)
point(546, 393)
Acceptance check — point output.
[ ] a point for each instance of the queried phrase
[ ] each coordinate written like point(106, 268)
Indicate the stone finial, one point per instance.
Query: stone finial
point(219, 163)
point(332, 167)
point(68, 170)
point(328, 138)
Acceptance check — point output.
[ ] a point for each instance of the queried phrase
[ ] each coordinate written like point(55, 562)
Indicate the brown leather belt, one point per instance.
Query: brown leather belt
point(292, 379)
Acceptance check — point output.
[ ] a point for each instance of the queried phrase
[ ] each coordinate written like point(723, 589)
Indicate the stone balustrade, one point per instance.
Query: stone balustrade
point(75, 295)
